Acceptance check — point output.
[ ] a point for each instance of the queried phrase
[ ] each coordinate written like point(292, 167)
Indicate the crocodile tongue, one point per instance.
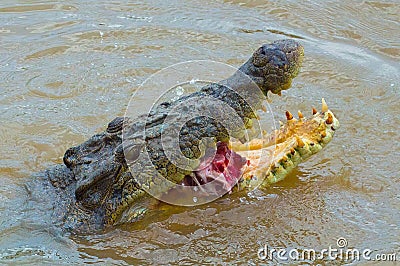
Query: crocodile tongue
point(224, 168)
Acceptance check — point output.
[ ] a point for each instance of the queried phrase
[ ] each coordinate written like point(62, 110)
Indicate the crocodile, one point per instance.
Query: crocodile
point(108, 179)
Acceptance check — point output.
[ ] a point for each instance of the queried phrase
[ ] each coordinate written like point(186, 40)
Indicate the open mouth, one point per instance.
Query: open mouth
point(224, 169)
point(261, 162)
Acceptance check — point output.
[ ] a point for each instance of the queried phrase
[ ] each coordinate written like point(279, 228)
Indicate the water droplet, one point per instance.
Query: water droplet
point(179, 90)
point(194, 199)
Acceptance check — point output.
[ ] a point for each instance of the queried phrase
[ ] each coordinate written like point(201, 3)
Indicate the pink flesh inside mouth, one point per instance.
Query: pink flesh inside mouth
point(223, 167)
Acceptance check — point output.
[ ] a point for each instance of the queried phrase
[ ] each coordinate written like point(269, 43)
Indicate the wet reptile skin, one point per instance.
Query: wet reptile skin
point(95, 183)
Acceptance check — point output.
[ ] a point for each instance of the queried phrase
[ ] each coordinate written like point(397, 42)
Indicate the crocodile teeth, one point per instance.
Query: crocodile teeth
point(329, 120)
point(264, 108)
point(280, 123)
point(300, 142)
point(314, 111)
point(300, 115)
point(289, 116)
point(324, 106)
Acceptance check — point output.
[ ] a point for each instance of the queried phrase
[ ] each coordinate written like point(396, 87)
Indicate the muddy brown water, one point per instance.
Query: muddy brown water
point(68, 68)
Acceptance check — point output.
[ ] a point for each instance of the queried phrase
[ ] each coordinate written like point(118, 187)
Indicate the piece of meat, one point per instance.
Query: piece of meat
point(223, 167)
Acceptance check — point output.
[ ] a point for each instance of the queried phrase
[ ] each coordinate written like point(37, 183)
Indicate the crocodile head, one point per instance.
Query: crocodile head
point(110, 190)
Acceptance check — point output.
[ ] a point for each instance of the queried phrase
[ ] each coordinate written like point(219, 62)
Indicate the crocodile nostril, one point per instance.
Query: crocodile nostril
point(267, 49)
point(263, 52)
point(279, 59)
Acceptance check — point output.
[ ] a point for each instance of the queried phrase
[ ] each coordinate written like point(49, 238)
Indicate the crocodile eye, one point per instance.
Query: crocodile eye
point(132, 152)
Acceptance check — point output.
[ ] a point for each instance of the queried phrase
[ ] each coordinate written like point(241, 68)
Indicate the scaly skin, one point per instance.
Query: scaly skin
point(99, 187)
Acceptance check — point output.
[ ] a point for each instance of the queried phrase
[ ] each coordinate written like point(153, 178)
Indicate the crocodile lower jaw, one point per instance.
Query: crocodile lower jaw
point(295, 142)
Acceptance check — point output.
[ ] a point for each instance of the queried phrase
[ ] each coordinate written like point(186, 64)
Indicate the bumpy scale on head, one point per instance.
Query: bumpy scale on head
point(274, 65)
